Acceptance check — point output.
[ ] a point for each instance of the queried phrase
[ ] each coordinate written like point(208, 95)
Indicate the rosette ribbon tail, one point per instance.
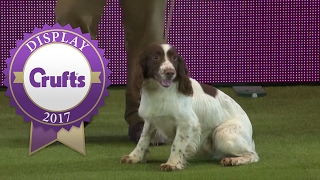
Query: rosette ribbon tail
point(41, 138)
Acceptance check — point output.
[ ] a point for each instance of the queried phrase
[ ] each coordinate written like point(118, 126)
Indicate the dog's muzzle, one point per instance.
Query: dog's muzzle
point(167, 77)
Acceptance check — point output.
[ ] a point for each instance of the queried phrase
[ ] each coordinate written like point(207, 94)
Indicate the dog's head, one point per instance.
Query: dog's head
point(161, 63)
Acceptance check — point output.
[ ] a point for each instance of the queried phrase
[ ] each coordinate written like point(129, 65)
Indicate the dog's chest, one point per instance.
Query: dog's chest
point(161, 112)
point(166, 125)
point(161, 116)
point(158, 106)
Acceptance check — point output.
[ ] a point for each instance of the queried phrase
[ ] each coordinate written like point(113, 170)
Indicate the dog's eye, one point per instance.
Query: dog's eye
point(174, 58)
point(155, 57)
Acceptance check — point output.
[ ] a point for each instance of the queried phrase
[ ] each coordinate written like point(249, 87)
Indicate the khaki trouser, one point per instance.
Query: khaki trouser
point(143, 22)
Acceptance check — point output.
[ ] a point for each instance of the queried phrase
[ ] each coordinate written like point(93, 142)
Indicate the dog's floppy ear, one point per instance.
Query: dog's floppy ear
point(185, 86)
point(138, 75)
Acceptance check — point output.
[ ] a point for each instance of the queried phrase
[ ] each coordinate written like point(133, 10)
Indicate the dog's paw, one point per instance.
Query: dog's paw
point(229, 162)
point(126, 159)
point(170, 167)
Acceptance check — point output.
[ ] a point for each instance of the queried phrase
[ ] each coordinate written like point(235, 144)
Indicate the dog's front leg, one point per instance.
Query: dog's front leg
point(138, 154)
point(185, 134)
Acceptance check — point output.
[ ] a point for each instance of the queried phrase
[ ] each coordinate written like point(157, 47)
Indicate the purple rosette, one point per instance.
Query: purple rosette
point(57, 78)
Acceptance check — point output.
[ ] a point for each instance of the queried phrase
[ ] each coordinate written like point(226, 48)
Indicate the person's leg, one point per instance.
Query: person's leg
point(143, 22)
point(85, 14)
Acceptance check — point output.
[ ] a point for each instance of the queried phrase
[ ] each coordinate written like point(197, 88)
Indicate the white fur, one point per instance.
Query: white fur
point(216, 126)
point(166, 64)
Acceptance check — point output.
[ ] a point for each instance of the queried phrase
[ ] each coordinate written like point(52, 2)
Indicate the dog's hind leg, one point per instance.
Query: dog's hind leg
point(233, 140)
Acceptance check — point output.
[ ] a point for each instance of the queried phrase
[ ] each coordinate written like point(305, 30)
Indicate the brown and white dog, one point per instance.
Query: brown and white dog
point(194, 120)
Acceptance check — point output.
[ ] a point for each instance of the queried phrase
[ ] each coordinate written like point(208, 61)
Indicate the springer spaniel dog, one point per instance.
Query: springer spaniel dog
point(195, 118)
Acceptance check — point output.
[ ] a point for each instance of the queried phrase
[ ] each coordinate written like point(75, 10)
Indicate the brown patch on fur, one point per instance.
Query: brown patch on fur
point(126, 159)
point(185, 86)
point(146, 67)
point(228, 161)
point(183, 75)
point(173, 148)
point(210, 90)
point(168, 167)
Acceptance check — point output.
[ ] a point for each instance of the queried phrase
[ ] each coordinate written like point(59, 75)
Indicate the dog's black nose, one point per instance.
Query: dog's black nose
point(169, 73)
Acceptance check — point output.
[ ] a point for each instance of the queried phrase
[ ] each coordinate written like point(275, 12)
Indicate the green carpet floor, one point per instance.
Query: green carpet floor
point(286, 127)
